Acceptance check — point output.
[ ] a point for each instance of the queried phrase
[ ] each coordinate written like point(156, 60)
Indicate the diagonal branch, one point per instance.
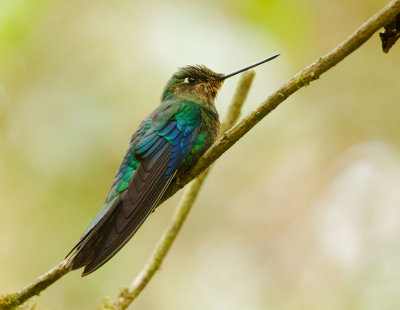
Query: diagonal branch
point(301, 79)
point(128, 295)
point(11, 301)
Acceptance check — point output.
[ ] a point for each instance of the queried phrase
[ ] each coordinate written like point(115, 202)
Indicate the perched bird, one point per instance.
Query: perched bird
point(166, 144)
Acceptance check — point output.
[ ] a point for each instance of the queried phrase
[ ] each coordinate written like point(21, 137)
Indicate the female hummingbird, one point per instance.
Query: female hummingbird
point(166, 144)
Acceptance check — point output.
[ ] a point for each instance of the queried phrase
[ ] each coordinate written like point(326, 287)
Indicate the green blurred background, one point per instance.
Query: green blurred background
point(303, 213)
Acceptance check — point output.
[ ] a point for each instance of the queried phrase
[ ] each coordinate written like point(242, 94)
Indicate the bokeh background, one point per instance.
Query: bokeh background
point(303, 213)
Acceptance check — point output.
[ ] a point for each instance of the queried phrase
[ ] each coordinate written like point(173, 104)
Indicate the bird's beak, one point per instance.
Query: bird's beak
point(248, 67)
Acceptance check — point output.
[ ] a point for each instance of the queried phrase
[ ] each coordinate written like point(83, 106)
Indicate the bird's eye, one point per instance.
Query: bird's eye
point(190, 80)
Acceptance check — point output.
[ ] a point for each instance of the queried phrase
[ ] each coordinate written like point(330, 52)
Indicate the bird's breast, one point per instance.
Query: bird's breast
point(208, 133)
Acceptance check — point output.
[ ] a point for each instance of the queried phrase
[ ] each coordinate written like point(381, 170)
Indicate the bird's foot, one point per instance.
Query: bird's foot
point(178, 182)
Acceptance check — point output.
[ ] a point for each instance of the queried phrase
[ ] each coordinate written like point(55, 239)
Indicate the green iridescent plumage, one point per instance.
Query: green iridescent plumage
point(167, 143)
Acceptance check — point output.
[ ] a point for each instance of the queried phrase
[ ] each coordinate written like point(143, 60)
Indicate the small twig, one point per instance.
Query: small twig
point(129, 294)
point(390, 34)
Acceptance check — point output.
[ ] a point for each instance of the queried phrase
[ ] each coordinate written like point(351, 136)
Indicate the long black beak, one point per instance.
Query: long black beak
point(248, 67)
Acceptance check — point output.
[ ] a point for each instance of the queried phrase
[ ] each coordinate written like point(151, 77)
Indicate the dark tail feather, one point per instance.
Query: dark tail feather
point(105, 239)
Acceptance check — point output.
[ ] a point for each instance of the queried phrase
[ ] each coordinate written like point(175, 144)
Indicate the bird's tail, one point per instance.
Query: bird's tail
point(124, 217)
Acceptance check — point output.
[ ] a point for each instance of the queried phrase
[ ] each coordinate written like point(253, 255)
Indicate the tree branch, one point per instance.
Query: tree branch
point(129, 294)
point(301, 79)
point(11, 301)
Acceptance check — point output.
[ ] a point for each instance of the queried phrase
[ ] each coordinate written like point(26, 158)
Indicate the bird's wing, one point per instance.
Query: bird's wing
point(158, 151)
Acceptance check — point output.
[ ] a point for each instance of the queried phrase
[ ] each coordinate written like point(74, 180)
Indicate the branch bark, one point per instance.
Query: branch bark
point(11, 301)
point(301, 79)
point(128, 295)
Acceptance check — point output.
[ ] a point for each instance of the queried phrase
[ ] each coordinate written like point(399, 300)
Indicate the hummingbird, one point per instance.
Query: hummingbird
point(167, 143)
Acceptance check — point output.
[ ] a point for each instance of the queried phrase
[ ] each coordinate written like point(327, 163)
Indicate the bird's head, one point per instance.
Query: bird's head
point(194, 83)
point(200, 84)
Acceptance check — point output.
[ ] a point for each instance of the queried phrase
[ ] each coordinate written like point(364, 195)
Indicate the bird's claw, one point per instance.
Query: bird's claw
point(178, 182)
